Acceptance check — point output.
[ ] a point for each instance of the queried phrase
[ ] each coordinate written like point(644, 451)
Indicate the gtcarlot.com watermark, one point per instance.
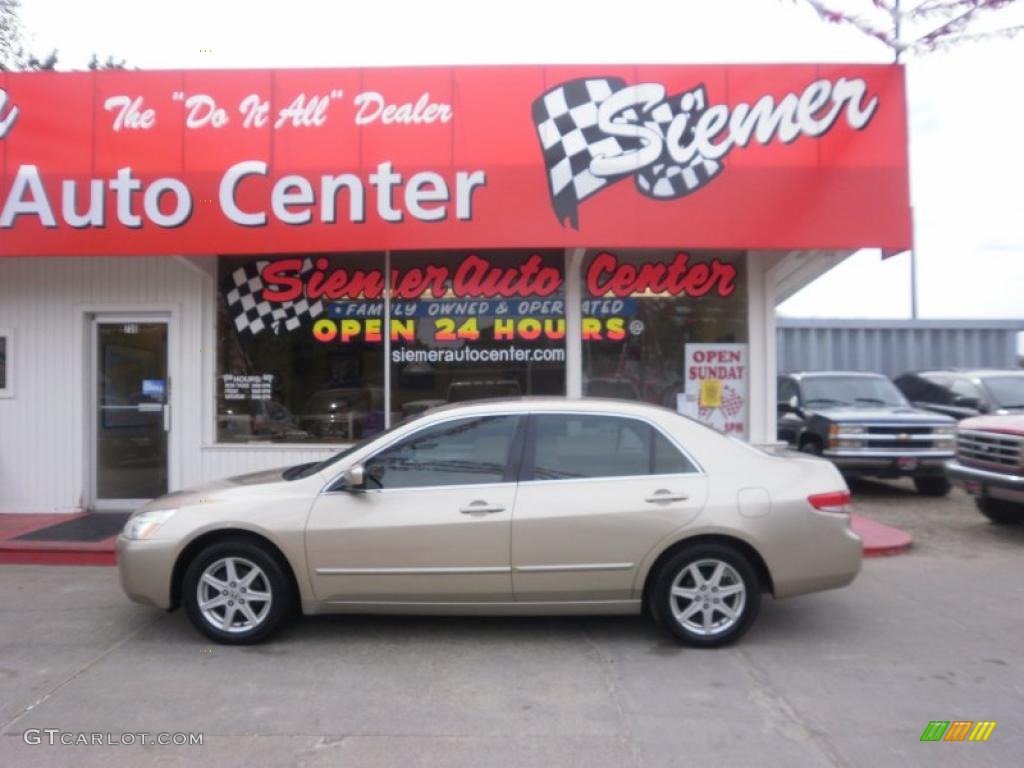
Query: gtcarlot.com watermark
point(57, 737)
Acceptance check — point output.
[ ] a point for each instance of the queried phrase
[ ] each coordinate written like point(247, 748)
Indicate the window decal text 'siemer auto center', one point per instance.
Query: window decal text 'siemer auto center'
point(596, 131)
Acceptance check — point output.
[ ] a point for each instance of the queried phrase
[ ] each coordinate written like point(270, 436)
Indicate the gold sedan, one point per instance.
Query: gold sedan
point(504, 507)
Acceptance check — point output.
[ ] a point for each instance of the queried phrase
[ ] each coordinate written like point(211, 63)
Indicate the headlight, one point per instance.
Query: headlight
point(838, 431)
point(145, 524)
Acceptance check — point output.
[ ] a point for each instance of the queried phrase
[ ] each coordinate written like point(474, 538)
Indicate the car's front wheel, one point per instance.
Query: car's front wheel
point(932, 486)
point(707, 595)
point(236, 593)
point(1000, 512)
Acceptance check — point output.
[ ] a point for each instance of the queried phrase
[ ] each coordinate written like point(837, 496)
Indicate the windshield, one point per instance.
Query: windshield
point(851, 391)
point(305, 470)
point(1006, 391)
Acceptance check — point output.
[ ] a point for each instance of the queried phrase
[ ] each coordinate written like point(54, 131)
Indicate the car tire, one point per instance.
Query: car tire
point(239, 569)
point(1000, 512)
point(691, 612)
point(932, 486)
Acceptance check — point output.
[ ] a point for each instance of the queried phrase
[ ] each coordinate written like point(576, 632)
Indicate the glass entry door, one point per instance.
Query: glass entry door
point(132, 411)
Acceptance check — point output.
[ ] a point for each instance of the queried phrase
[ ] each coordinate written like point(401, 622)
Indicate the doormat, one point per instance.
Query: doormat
point(92, 527)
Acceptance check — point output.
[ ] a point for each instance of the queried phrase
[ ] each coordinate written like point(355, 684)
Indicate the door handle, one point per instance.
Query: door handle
point(659, 497)
point(481, 507)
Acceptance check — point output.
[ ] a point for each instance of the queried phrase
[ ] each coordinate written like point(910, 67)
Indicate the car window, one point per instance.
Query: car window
point(457, 452)
point(965, 388)
point(786, 389)
point(853, 391)
point(568, 446)
point(934, 389)
point(1007, 391)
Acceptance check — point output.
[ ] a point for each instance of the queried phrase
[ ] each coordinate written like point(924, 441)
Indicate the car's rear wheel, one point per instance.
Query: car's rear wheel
point(707, 595)
point(235, 592)
point(1000, 512)
point(932, 486)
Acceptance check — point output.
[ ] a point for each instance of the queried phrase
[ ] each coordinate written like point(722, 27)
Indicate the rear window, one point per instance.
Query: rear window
point(580, 446)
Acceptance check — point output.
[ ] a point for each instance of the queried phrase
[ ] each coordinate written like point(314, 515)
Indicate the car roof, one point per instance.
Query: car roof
point(979, 373)
point(812, 374)
point(551, 403)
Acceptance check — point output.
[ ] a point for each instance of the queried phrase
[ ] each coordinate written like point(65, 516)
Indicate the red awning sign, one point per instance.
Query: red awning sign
point(115, 162)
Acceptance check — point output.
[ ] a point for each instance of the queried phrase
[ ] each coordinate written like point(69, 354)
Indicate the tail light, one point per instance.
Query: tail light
point(836, 501)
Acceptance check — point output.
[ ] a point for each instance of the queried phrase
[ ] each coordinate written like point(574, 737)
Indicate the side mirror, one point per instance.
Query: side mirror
point(355, 478)
point(789, 406)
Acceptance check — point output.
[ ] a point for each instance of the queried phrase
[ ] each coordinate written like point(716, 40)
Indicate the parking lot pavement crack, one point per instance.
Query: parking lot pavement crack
point(6, 729)
point(782, 715)
point(606, 666)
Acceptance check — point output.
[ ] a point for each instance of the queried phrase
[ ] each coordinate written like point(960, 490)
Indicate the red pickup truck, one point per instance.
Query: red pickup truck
point(989, 465)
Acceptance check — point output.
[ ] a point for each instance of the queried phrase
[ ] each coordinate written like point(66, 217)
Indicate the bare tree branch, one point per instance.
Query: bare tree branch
point(899, 28)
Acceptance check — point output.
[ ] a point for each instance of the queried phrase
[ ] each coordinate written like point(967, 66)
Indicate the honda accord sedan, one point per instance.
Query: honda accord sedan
point(504, 507)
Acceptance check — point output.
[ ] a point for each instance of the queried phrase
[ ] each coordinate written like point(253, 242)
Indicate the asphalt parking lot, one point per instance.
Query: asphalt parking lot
point(845, 678)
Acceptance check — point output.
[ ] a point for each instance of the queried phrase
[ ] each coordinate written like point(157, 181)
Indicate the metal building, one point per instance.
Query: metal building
point(893, 347)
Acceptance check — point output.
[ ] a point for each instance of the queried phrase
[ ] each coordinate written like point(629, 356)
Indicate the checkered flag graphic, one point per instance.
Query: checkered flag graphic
point(243, 292)
point(566, 122)
point(665, 179)
point(732, 401)
point(732, 404)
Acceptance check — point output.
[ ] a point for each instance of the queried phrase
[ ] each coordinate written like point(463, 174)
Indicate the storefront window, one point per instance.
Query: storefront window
point(301, 339)
point(643, 309)
point(282, 377)
point(476, 325)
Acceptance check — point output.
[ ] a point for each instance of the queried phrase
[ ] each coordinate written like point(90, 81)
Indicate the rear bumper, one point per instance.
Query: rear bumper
point(809, 551)
point(889, 463)
point(986, 482)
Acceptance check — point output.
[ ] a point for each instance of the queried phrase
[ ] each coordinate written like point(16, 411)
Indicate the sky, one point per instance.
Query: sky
point(966, 106)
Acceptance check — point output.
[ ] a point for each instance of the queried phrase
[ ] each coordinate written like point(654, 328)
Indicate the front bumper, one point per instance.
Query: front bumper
point(986, 482)
point(145, 569)
point(888, 463)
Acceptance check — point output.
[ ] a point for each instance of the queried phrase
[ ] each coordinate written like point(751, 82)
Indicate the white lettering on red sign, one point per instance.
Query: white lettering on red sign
point(131, 114)
point(371, 107)
point(6, 120)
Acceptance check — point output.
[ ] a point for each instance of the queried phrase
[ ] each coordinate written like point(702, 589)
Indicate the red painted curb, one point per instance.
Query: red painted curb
point(880, 540)
point(11, 556)
point(14, 552)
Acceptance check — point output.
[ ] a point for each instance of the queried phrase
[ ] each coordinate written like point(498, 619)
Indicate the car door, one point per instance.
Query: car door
point(433, 523)
point(597, 493)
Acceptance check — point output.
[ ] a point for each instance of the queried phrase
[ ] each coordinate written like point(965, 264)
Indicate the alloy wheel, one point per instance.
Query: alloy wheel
point(234, 595)
point(707, 597)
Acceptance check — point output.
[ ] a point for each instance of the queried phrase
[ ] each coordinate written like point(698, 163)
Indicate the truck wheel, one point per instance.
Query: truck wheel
point(812, 447)
point(932, 486)
point(1000, 512)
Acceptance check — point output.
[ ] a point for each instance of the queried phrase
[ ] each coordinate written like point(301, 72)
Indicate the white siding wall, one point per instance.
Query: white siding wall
point(43, 436)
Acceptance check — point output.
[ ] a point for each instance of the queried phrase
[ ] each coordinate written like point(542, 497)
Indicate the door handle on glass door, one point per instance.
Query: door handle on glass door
point(481, 507)
point(661, 496)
